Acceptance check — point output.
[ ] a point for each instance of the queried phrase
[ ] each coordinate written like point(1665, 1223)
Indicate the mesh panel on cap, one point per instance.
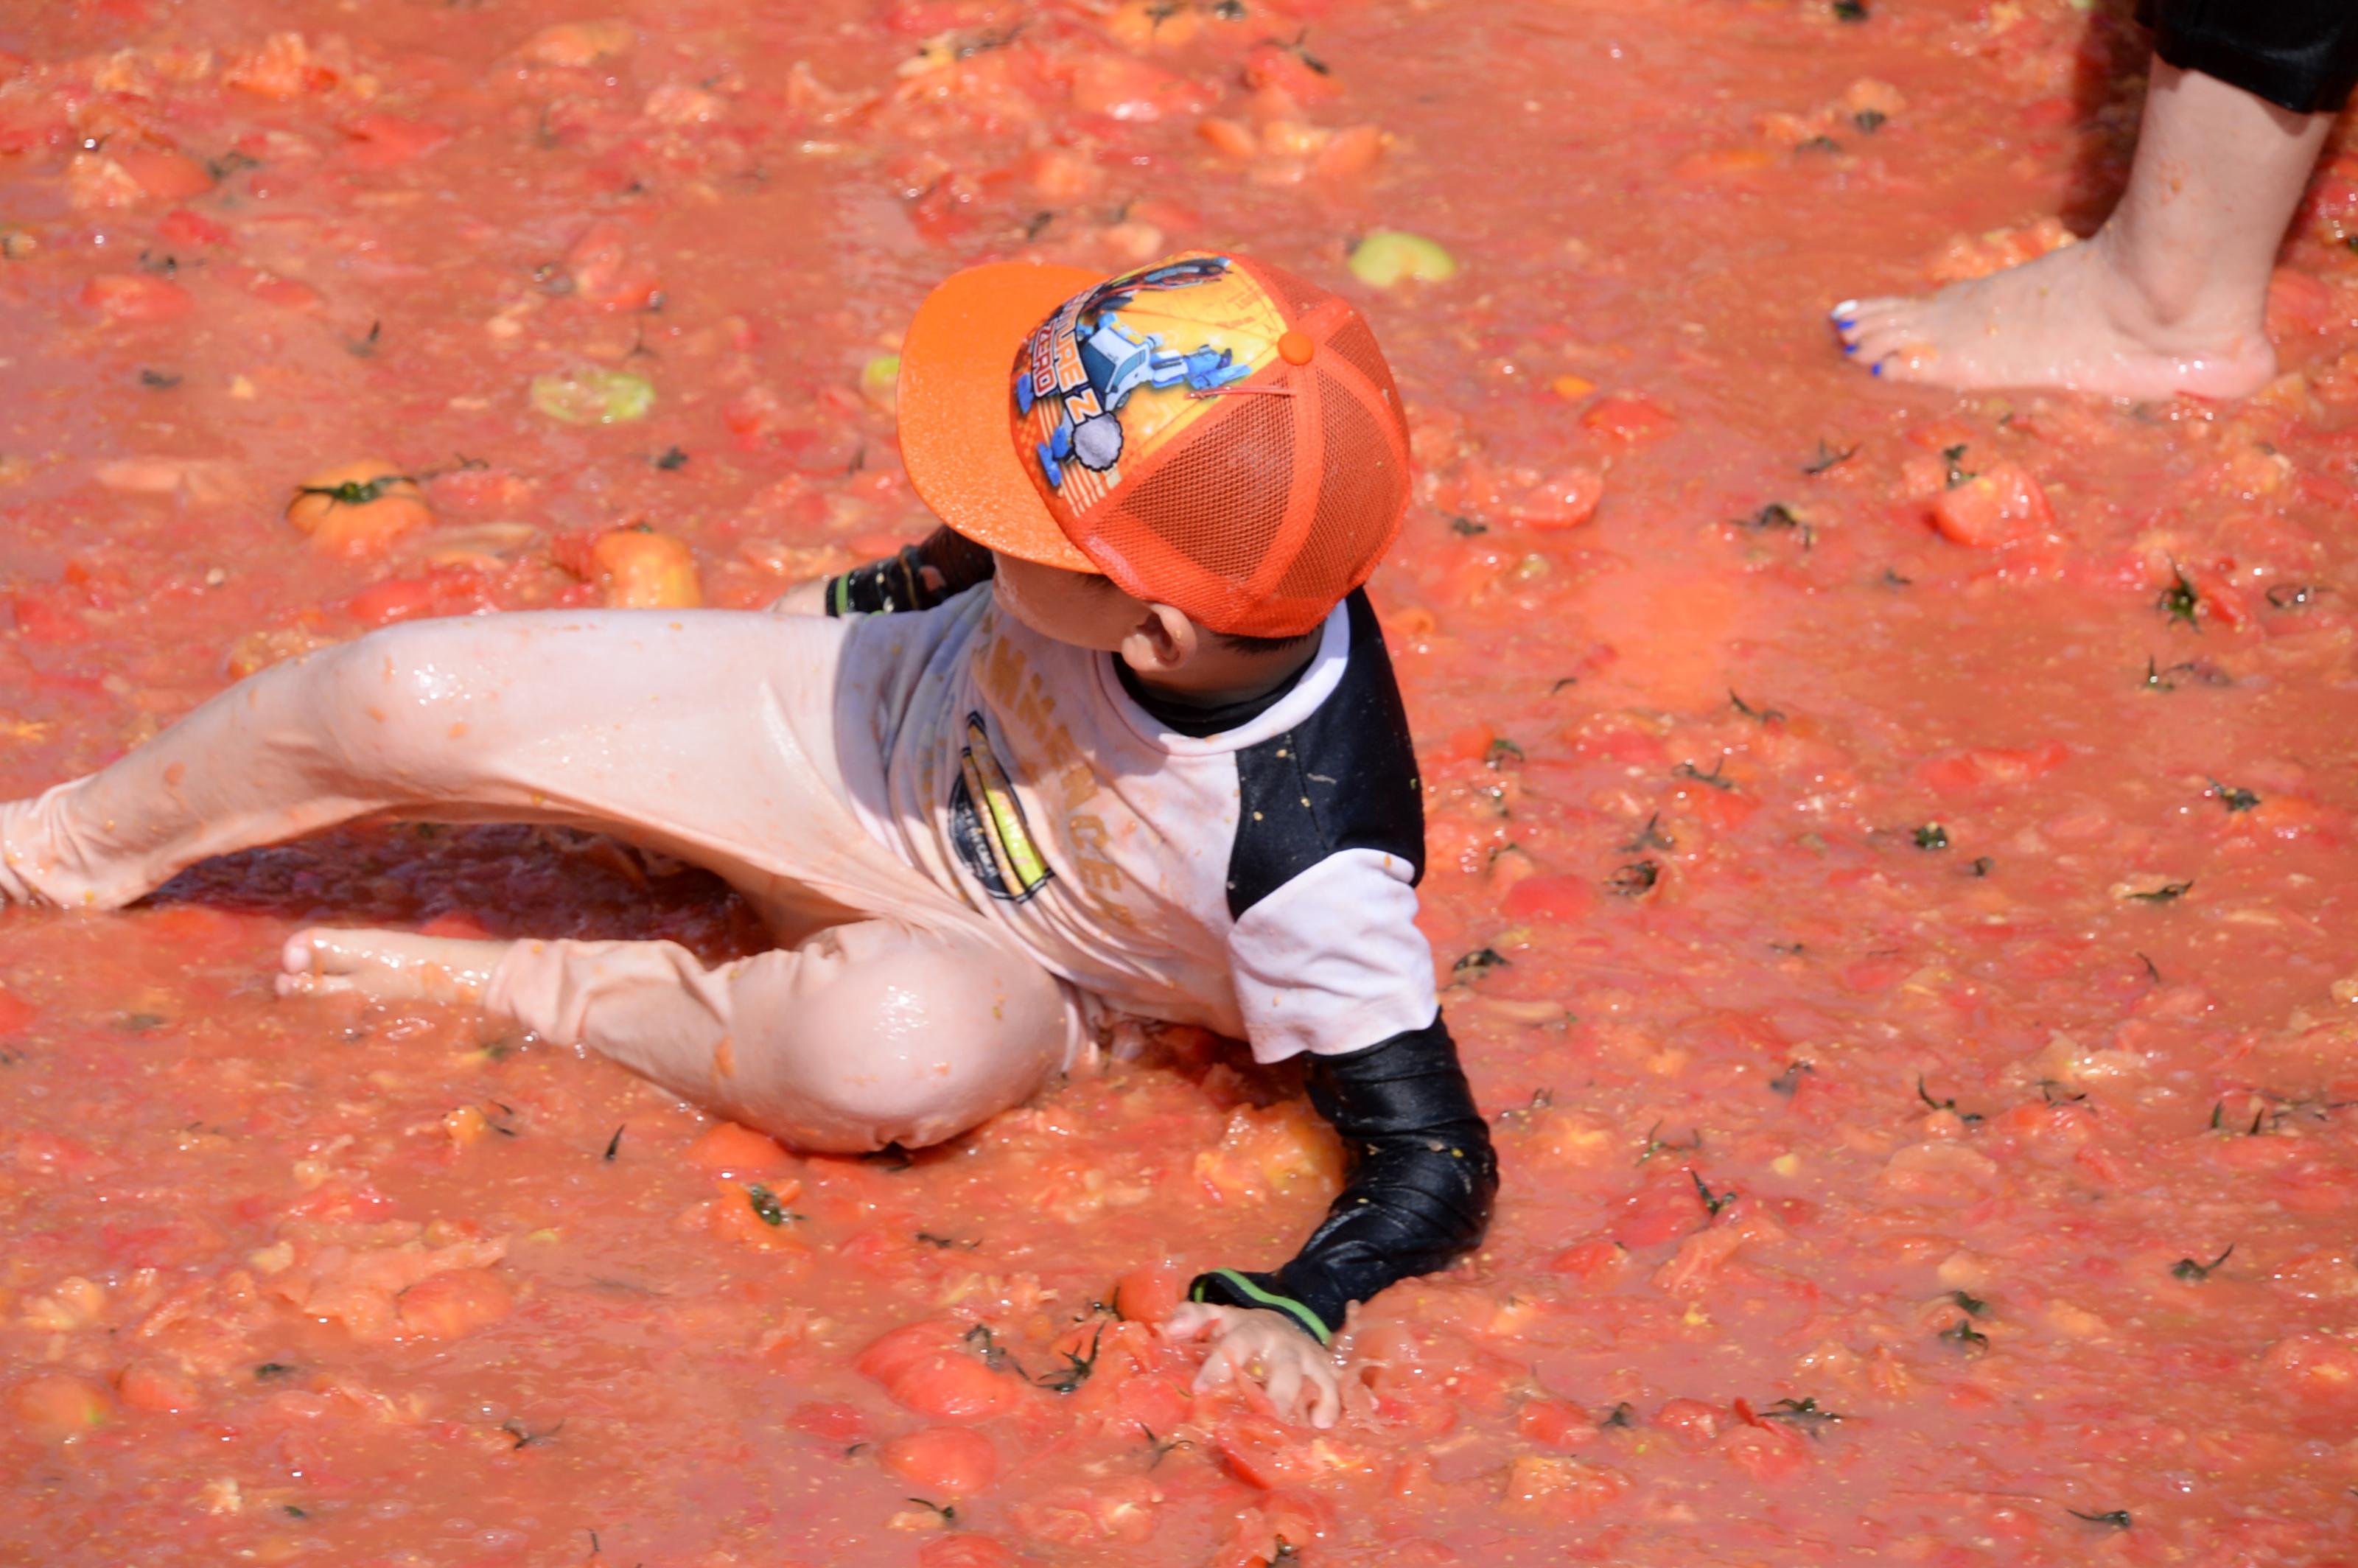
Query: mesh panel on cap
point(1220, 499)
point(1296, 295)
point(1359, 498)
point(1356, 345)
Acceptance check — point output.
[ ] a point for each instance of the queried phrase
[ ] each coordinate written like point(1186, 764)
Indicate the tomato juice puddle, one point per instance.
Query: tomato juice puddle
point(1890, 853)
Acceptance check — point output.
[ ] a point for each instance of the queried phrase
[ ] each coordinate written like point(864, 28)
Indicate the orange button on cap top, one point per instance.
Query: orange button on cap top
point(1296, 348)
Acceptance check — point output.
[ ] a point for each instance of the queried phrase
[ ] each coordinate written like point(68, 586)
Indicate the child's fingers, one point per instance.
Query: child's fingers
point(1217, 1371)
point(1285, 1387)
point(1190, 1320)
point(1326, 1396)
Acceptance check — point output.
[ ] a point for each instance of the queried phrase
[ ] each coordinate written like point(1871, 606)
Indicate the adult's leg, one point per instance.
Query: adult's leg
point(707, 734)
point(2168, 297)
point(865, 1034)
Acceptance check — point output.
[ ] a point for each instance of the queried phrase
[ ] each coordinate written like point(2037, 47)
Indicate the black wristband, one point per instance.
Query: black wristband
point(881, 588)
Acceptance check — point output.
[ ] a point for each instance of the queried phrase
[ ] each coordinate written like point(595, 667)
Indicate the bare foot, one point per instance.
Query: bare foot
point(387, 965)
point(2074, 318)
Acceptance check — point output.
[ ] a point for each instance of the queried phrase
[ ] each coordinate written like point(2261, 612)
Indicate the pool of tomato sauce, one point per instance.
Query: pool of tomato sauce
point(1896, 936)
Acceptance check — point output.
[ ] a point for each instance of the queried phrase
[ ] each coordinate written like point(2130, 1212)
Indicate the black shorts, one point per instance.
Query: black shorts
point(2299, 54)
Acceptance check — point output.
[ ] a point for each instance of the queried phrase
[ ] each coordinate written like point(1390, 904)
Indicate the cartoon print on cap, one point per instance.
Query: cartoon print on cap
point(1130, 360)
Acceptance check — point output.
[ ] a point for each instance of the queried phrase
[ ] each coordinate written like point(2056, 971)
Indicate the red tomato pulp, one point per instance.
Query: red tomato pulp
point(1891, 854)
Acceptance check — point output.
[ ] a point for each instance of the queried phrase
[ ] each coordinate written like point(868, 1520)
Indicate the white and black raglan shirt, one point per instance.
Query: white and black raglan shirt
point(1252, 871)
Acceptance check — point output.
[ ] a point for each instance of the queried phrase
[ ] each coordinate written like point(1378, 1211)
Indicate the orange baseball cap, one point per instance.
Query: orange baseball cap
point(1210, 432)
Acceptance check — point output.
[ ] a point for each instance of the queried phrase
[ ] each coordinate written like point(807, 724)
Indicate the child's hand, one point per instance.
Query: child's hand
point(1268, 1349)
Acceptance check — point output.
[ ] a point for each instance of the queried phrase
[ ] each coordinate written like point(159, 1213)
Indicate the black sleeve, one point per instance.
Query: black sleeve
point(898, 581)
point(1422, 1176)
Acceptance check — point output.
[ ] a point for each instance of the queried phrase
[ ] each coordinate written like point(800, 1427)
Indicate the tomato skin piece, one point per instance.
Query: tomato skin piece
point(167, 176)
point(735, 1219)
point(1560, 1490)
point(2316, 1367)
point(58, 1407)
point(1556, 1423)
point(1119, 1510)
point(2229, 606)
point(1553, 898)
point(964, 1551)
point(2000, 506)
point(606, 272)
point(1567, 498)
point(15, 1015)
point(384, 141)
point(951, 1385)
point(1261, 1451)
point(457, 592)
point(1352, 150)
point(1589, 1258)
point(41, 619)
point(1126, 89)
point(1692, 1422)
point(1721, 163)
point(454, 1304)
point(1157, 1401)
point(1765, 1453)
point(926, 1367)
point(1264, 1452)
point(1148, 1293)
point(897, 1350)
point(1469, 744)
point(157, 1386)
point(135, 297)
point(282, 67)
point(2297, 302)
point(1655, 1214)
point(1273, 64)
point(1987, 767)
point(182, 227)
point(728, 1150)
point(942, 1459)
point(287, 293)
point(576, 45)
point(1631, 420)
point(1277, 1530)
point(831, 1420)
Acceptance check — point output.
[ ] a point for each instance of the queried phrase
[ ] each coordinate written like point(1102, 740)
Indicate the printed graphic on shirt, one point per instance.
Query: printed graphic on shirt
point(987, 824)
point(1133, 360)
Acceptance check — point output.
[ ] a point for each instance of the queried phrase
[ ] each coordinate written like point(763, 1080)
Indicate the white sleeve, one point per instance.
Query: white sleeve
point(1332, 961)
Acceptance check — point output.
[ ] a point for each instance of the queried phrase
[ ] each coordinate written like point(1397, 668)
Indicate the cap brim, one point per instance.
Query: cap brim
point(956, 397)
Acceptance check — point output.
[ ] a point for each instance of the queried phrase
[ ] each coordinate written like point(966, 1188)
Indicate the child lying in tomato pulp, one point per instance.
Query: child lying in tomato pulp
point(1122, 739)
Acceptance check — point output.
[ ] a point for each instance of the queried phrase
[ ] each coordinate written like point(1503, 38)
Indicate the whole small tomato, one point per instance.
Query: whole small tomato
point(358, 509)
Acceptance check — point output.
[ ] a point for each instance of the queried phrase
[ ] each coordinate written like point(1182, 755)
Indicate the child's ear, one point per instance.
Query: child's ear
point(1163, 639)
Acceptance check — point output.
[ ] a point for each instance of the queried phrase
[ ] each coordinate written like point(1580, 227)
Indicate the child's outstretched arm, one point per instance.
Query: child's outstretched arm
point(1421, 1179)
point(1422, 1175)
